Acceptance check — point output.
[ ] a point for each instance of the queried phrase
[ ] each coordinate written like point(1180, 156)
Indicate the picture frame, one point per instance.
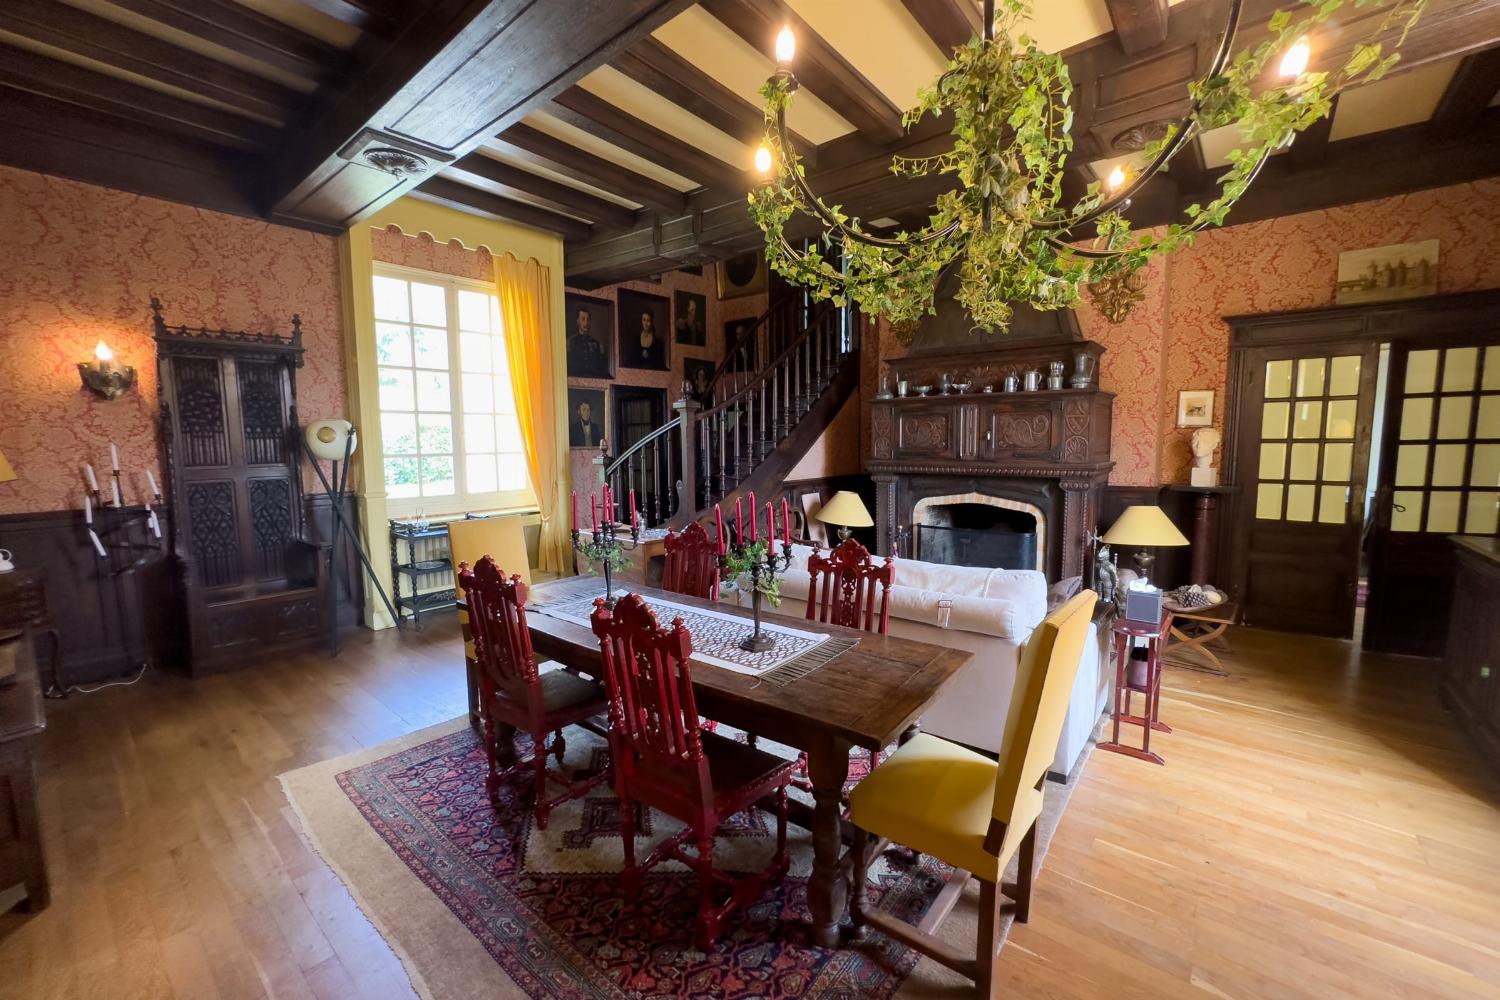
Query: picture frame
point(642, 320)
point(742, 275)
point(698, 373)
point(815, 531)
point(1380, 274)
point(590, 429)
point(590, 336)
point(690, 319)
point(1195, 408)
point(744, 360)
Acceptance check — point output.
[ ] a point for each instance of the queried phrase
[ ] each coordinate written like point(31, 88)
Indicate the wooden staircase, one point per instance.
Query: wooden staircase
point(753, 424)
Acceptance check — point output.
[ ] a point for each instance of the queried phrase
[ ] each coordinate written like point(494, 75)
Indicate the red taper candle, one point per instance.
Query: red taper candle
point(786, 524)
point(632, 509)
point(719, 528)
point(753, 514)
point(575, 510)
point(593, 513)
point(739, 520)
point(770, 529)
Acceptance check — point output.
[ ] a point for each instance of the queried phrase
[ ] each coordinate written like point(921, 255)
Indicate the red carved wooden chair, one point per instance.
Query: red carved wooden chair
point(692, 563)
point(845, 594)
point(662, 759)
point(514, 695)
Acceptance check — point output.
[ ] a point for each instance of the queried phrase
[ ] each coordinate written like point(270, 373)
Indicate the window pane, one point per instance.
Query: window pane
point(1343, 376)
point(1459, 369)
point(437, 476)
point(473, 311)
point(474, 352)
point(432, 391)
point(401, 477)
point(392, 344)
point(1272, 460)
point(1304, 461)
point(1453, 416)
point(479, 474)
point(1341, 415)
point(1486, 470)
point(429, 304)
point(1421, 371)
point(1492, 367)
point(398, 433)
point(479, 432)
point(1484, 513)
point(1488, 425)
point(1448, 464)
point(390, 300)
point(1299, 502)
point(1338, 462)
point(478, 397)
point(1406, 510)
point(1331, 504)
point(1442, 511)
point(1278, 379)
point(1268, 502)
point(436, 433)
point(505, 400)
point(1273, 420)
point(508, 434)
point(513, 472)
point(1310, 372)
point(1416, 418)
point(1411, 465)
point(396, 390)
point(497, 355)
point(432, 348)
point(1308, 422)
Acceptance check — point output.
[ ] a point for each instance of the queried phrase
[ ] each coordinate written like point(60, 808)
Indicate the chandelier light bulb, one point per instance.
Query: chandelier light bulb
point(1116, 178)
point(763, 160)
point(1294, 62)
point(786, 46)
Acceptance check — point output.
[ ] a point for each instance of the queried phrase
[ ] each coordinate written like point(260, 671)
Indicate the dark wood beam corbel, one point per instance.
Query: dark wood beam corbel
point(949, 23)
point(1140, 25)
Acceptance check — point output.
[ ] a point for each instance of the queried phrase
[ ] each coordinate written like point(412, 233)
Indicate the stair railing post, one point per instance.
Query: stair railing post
point(687, 486)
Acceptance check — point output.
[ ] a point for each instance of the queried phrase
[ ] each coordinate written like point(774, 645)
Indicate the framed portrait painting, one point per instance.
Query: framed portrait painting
point(742, 358)
point(591, 340)
point(643, 326)
point(690, 319)
point(1195, 408)
point(587, 412)
point(699, 374)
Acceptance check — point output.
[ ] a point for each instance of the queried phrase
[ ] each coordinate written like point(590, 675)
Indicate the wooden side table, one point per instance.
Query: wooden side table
point(1124, 633)
point(21, 721)
point(1193, 630)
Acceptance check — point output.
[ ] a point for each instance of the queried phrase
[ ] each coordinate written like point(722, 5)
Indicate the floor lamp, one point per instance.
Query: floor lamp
point(335, 441)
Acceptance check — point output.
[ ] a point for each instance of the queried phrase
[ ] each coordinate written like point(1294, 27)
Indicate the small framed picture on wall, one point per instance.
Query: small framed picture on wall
point(586, 415)
point(1195, 408)
point(591, 337)
point(643, 331)
point(741, 356)
point(690, 318)
point(698, 373)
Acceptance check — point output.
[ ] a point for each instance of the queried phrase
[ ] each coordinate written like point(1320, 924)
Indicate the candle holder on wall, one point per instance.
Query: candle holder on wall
point(103, 377)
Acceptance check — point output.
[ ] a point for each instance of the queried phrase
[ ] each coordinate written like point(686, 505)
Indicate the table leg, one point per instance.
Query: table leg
point(471, 677)
point(827, 892)
point(1122, 649)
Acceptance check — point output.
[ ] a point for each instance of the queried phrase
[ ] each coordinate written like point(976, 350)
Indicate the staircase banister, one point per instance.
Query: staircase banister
point(770, 368)
point(640, 445)
point(788, 304)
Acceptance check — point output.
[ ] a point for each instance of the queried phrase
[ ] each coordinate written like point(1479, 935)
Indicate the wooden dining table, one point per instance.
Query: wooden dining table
point(869, 696)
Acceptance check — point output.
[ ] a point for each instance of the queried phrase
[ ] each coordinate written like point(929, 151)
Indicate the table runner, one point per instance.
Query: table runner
point(717, 635)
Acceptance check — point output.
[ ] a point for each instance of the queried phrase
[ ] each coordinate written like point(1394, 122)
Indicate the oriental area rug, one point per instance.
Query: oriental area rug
point(477, 901)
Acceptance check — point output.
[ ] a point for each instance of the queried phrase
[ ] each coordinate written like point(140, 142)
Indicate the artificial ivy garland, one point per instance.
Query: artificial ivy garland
point(1004, 225)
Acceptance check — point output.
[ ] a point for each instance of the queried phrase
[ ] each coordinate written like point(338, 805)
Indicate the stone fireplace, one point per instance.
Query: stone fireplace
point(1008, 479)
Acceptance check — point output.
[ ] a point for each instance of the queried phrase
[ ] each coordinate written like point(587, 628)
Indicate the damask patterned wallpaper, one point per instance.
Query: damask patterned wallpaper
point(81, 265)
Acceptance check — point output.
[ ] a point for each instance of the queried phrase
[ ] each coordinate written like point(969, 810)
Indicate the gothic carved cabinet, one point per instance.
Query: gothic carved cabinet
point(229, 427)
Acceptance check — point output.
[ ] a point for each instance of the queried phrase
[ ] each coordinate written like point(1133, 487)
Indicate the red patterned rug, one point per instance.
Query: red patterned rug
point(547, 905)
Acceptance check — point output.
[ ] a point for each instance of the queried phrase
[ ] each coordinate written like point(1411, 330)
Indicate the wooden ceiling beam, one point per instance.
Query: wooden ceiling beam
point(242, 29)
point(949, 23)
point(592, 170)
point(572, 200)
point(819, 66)
point(449, 192)
point(1140, 25)
point(656, 67)
point(1311, 144)
point(603, 120)
point(115, 45)
point(379, 19)
point(1469, 93)
point(25, 70)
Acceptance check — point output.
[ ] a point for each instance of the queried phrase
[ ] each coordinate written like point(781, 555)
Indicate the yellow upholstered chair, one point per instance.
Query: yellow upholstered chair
point(971, 812)
point(469, 540)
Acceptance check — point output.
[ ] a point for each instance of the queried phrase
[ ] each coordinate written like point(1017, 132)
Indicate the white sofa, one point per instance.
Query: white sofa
point(989, 612)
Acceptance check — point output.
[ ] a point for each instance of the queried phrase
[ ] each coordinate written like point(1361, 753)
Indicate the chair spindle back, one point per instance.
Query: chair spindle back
point(692, 563)
point(846, 594)
point(497, 619)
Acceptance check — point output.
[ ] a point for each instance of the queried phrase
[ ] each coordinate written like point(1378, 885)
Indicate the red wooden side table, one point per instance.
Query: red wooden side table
point(1149, 685)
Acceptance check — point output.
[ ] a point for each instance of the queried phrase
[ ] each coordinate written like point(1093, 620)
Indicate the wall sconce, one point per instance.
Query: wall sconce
point(103, 377)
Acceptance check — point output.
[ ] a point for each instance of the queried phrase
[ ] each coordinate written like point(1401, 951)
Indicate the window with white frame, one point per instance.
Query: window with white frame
point(450, 438)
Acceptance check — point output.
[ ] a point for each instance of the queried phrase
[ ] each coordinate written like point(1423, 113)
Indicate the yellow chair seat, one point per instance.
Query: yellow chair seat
point(938, 797)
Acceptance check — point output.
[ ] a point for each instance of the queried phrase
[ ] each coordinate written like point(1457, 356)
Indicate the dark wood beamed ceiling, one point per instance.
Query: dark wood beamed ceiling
point(235, 26)
point(949, 23)
point(1470, 92)
point(569, 199)
point(594, 171)
point(380, 18)
point(469, 199)
point(1140, 25)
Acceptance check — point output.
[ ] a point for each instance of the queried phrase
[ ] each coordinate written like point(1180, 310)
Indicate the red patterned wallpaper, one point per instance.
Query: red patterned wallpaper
point(81, 264)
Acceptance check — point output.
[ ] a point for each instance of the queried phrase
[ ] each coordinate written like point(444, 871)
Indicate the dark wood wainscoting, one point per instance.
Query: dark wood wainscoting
point(112, 616)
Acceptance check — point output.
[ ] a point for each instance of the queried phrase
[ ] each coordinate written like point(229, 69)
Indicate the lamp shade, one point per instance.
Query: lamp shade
point(328, 438)
point(846, 509)
point(1144, 525)
point(6, 472)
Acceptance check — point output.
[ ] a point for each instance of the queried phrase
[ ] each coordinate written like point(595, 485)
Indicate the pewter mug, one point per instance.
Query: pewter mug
point(1033, 380)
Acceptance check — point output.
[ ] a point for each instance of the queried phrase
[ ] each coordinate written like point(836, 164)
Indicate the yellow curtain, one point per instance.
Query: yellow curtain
point(525, 309)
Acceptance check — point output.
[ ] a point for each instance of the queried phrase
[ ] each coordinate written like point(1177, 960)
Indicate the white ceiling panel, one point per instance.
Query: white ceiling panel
point(1405, 99)
point(650, 107)
point(544, 122)
point(883, 42)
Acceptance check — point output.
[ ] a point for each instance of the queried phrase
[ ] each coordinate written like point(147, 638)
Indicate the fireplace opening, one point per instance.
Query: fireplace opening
point(978, 534)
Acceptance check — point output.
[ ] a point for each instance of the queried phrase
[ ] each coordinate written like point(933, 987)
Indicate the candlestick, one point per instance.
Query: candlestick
point(88, 470)
point(114, 457)
point(115, 486)
point(151, 481)
point(88, 509)
point(151, 521)
point(575, 510)
point(98, 545)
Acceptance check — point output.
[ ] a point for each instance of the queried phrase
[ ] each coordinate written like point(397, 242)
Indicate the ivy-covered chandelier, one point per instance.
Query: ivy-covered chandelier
point(1005, 226)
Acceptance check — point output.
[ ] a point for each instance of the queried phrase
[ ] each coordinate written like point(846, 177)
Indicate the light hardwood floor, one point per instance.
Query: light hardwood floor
point(1317, 831)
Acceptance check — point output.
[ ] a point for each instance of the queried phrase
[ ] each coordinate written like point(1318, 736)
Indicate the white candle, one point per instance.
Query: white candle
point(119, 500)
point(88, 470)
point(88, 509)
point(150, 479)
point(114, 457)
point(151, 521)
point(98, 545)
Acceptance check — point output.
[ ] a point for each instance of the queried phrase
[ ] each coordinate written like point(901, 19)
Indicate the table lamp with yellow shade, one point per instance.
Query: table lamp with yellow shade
point(1144, 527)
point(845, 510)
